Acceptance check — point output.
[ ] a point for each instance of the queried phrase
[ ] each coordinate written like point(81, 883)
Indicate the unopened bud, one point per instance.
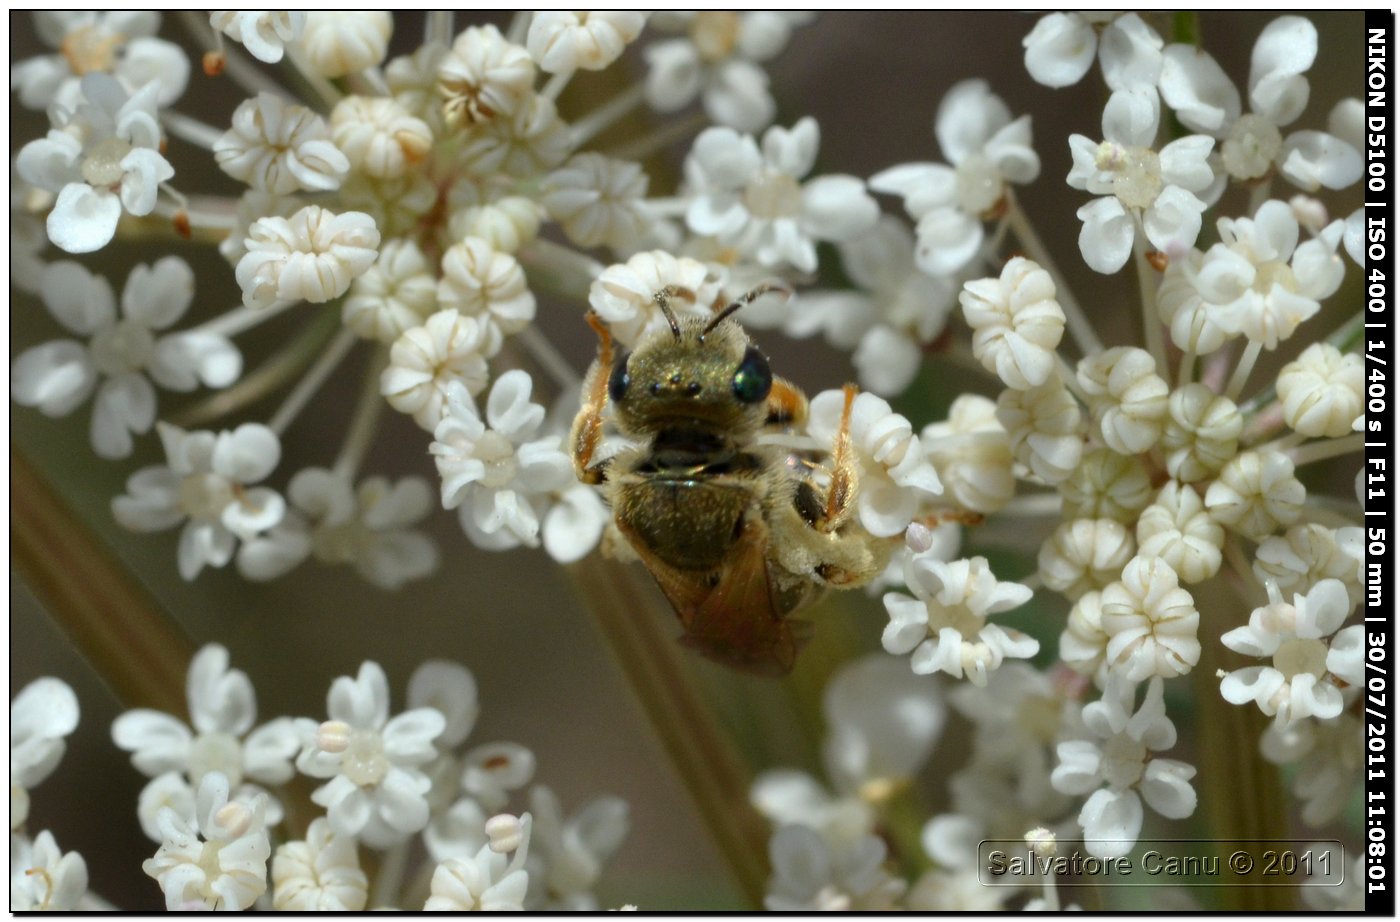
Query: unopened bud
point(333, 736)
point(505, 832)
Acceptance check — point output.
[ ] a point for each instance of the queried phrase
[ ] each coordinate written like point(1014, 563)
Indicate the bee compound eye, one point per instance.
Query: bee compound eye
point(752, 379)
point(619, 380)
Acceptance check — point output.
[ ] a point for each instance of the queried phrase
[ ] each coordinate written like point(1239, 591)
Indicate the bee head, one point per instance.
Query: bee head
point(703, 374)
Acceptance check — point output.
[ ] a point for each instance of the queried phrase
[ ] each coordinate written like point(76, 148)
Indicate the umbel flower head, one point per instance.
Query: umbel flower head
point(427, 231)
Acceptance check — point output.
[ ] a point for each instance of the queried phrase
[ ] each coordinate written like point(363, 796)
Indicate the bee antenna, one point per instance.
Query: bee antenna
point(663, 303)
point(752, 295)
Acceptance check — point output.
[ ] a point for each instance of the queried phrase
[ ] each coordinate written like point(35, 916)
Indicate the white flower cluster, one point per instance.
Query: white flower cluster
point(1167, 473)
point(825, 851)
point(388, 779)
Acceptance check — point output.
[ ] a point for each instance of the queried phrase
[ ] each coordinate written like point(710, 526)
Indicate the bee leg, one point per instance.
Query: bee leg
point(787, 406)
point(587, 430)
point(842, 491)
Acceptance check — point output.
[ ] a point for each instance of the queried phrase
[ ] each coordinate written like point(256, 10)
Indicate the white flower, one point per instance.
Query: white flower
point(491, 210)
point(396, 294)
point(569, 854)
point(319, 874)
point(427, 362)
point(217, 862)
point(598, 200)
point(41, 715)
point(1321, 391)
point(1178, 529)
point(205, 484)
point(1084, 554)
point(1145, 190)
point(222, 709)
point(491, 468)
point(103, 159)
point(753, 200)
point(1309, 652)
point(490, 773)
point(340, 42)
point(170, 790)
point(1260, 282)
point(624, 295)
point(379, 136)
point(718, 61)
point(43, 878)
point(890, 317)
point(1151, 622)
point(265, 33)
point(1016, 719)
point(1306, 554)
point(882, 724)
point(486, 882)
point(1205, 99)
point(1118, 770)
point(563, 41)
point(377, 788)
point(365, 527)
point(1016, 323)
point(480, 281)
point(117, 42)
point(986, 150)
point(961, 890)
point(59, 375)
point(280, 148)
point(251, 206)
point(1127, 397)
point(1046, 429)
point(1201, 434)
point(1083, 644)
point(1061, 48)
point(1106, 485)
point(810, 873)
point(893, 472)
point(946, 626)
point(972, 453)
point(483, 76)
point(530, 141)
point(1330, 761)
point(1256, 493)
point(312, 256)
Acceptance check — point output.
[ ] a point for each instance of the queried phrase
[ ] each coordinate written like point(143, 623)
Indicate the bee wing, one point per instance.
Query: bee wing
point(732, 614)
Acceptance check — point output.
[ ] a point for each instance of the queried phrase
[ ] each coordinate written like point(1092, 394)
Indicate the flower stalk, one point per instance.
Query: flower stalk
point(649, 657)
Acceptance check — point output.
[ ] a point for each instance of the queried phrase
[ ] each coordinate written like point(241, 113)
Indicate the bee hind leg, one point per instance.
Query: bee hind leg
point(587, 430)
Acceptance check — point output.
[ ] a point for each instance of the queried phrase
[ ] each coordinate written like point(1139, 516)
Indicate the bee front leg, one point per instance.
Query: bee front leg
point(587, 430)
point(844, 475)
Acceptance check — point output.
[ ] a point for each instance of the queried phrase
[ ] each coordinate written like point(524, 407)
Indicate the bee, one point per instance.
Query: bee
point(737, 533)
